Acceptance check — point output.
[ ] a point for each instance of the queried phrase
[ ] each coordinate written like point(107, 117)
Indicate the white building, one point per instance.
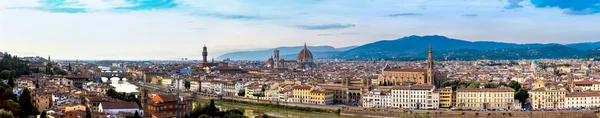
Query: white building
point(414, 97)
point(119, 107)
point(373, 99)
point(582, 99)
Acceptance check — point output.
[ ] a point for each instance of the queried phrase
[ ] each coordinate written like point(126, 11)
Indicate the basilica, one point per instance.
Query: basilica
point(304, 60)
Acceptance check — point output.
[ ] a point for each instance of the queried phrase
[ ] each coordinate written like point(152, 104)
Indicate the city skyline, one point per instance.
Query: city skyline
point(171, 29)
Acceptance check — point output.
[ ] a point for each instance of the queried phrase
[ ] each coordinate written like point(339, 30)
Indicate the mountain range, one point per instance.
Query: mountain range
point(288, 53)
point(416, 47)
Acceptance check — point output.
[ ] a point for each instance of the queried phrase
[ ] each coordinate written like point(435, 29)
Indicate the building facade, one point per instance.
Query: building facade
point(485, 98)
point(414, 97)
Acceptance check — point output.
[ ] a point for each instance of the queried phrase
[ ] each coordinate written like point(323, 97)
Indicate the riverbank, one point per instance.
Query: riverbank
point(376, 112)
point(252, 109)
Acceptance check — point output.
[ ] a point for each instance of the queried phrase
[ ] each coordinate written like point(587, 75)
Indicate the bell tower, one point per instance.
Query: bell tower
point(430, 68)
point(204, 54)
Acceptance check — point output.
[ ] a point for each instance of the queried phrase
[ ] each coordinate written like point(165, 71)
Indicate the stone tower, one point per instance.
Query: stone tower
point(276, 58)
point(204, 54)
point(430, 68)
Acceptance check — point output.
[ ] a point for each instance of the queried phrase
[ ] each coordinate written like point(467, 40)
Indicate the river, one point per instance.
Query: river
point(251, 111)
point(120, 86)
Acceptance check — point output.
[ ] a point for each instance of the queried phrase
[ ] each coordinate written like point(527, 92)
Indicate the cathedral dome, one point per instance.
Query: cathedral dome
point(305, 55)
point(270, 60)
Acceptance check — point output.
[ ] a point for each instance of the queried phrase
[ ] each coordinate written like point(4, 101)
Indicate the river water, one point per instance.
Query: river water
point(120, 85)
point(251, 111)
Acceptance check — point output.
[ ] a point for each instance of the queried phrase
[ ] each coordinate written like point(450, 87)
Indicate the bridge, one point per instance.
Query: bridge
point(114, 73)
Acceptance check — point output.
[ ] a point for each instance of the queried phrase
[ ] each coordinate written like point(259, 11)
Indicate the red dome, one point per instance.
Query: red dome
point(270, 60)
point(305, 54)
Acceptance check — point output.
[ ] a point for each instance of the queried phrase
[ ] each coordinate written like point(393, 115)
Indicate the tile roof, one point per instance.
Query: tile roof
point(499, 89)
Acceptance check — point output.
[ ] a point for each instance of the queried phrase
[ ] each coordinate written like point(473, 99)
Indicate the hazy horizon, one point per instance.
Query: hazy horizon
point(171, 29)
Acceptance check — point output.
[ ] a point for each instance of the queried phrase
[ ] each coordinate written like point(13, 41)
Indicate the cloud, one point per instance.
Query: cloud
point(324, 26)
point(57, 6)
point(403, 14)
point(234, 16)
point(149, 5)
point(580, 7)
point(70, 6)
point(470, 15)
point(513, 4)
point(337, 34)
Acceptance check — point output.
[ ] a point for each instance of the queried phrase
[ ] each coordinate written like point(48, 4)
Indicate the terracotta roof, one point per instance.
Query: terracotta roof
point(305, 54)
point(302, 87)
point(583, 94)
point(168, 98)
point(586, 82)
point(319, 91)
point(400, 87)
point(421, 86)
point(405, 70)
point(163, 115)
point(119, 105)
point(499, 89)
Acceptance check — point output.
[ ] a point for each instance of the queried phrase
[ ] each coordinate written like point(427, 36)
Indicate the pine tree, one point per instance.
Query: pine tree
point(26, 103)
point(136, 115)
point(11, 82)
point(43, 115)
point(88, 112)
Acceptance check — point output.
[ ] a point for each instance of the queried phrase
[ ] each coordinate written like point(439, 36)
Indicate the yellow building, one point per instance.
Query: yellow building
point(349, 91)
point(485, 98)
point(301, 94)
point(544, 97)
point(75, 108)
point(447, 97)
point(321, 97)
point(253, 91)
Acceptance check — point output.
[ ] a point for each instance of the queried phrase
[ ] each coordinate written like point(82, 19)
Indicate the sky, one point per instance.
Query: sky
point(172, 29)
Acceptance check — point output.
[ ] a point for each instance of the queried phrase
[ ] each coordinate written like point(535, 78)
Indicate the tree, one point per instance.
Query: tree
point(211, 109)
point(5, 114)
point(26, 103)
point(5, 74)
point(522, 95)
point(11, 82)
point(187, 84)
point(88, 113)
point(241, 93)
point(43, 115)
point(490, 85)
point(474, 85)
point(13, 104)
point(234, 113)
point(514, 84)
point(204, 116)
point(136, 115)
point(8, 95)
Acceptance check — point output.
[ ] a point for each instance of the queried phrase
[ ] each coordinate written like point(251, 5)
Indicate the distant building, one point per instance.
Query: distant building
point(400, 76)
point(158, 104)
point(305, 60)
point(205, 62)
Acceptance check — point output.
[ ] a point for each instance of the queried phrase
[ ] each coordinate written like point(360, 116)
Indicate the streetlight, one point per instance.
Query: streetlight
point(182, 72)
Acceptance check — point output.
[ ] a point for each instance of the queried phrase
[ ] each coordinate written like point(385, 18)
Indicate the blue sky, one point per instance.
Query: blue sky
point(169, 29)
